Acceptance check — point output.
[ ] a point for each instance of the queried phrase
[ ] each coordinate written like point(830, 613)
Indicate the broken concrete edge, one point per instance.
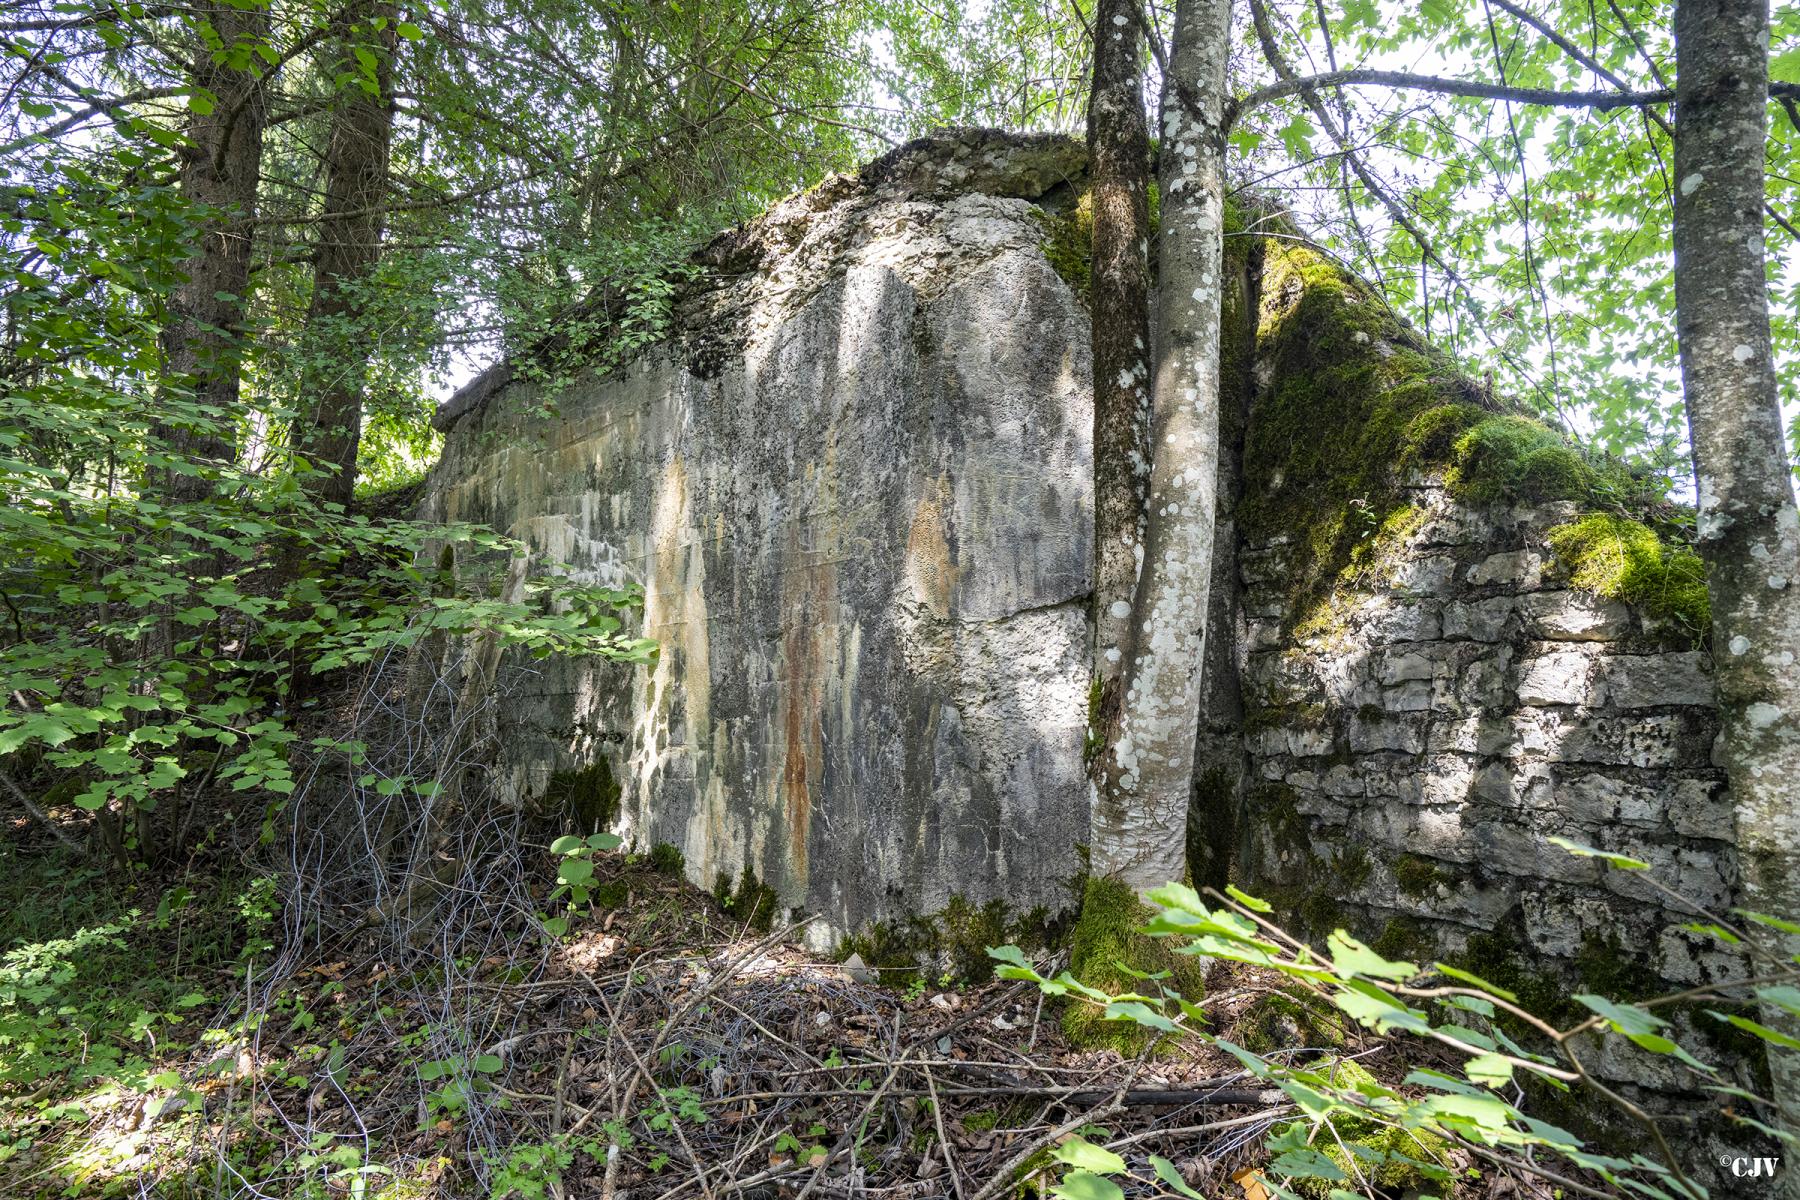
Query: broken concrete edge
point(940, 165)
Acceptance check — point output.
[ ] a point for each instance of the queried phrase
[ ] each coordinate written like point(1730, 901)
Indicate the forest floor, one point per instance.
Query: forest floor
point(660, 1048)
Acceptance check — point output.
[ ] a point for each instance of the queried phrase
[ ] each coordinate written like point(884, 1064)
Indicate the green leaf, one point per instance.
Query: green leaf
point(1297, 136)
point(1489, 1069)
point(1351, 957)
point(1078, 1152)
point(568, 843)
point(1085, 1185)
point(487, 1064)
point(1621, 861)
point(409, 31)
point(1628, 1019)
point(1141, 1013)
point(1247, 900)
point(1307, 1163)
point(1773, 1036)
point(1771, 922)
point(1165, 1171)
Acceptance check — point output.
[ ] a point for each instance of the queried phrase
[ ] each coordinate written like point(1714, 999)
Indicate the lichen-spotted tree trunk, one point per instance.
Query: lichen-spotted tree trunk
point(1749, 532)
point(1119, 174)
point(202, 337)
point(1140, 811)
point(328, 425)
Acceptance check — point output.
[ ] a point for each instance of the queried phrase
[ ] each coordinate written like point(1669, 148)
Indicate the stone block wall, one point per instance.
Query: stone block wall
point(1417, 738)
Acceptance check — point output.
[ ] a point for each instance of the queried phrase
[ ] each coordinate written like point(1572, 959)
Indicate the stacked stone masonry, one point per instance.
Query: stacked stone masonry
point(1417, 743)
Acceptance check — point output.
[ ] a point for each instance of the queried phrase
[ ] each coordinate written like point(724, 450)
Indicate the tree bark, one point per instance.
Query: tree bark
point(1749, 531)
point(327, 429)
point(1140, 812)
point(1119, 174)
point(203, 336)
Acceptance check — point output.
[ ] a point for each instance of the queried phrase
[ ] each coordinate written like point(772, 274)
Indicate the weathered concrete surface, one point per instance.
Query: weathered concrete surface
point(855, 486)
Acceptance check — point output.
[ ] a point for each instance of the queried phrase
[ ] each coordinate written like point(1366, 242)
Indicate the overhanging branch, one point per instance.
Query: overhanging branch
point(1600, 101)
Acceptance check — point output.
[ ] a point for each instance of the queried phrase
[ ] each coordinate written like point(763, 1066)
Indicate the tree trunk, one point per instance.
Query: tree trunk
point(328, 426)
point(1119, 170)
point(1749, 532)
point(1140, 813)
point(202, 339)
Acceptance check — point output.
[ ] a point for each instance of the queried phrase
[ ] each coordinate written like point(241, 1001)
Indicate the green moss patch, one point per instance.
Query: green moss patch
point(666, 858)
point(952, 942)
point(1387, 1157)
point(1517, 458)
point(1105, 950)
point(1404, 939)
point(1417, 876)
point(1362, 405)
point(589, 795)
point(1068, 245)
point(752, 902)
point(1360, 402)
point(1626, 560)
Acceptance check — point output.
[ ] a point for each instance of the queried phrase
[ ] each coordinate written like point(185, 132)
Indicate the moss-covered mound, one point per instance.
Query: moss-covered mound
point(1360, 406)
point(1371, 1153)
point(1359, 401)
point(951, 944)
point(1626, 560)
point(1107, 951)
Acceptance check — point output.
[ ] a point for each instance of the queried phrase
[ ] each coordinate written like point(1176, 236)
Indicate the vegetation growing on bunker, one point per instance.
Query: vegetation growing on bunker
point(1107, 951)
point(752, 902)
point(1069, 240)
point(1418, 877)
point(666, 858)
point(951, 944)
point(1398, 411)
point(1068, 245)
point(1389, 1156)
point(1622, 559)
point(589, 795)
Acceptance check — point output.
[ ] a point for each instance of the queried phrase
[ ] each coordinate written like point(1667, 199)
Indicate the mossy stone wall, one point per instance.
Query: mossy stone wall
point(1462, 635)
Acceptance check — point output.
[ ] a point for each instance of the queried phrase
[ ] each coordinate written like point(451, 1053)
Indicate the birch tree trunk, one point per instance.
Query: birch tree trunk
point(1140, 811)
point(1119, 171)
point(1749, 532)
point(328, 426)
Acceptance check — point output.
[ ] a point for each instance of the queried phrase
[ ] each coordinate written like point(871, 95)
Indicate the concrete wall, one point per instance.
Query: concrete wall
point(856, 488)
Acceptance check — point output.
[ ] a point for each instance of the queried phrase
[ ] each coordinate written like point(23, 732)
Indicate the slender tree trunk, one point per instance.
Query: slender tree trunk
point(328, 426)
point(202, 339)
point(1119, 171)
point(1140, 814)
point(1749, 532)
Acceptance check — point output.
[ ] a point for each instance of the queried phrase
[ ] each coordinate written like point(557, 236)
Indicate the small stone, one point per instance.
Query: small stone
point(1431, 574)
point(1404, 621)
point(1399, 667)
point(857, 970)
point(1509, 568)
point(1700, 808)
point(1649, 680)
point(1560, 677)
point(1575, 617)
point(1479, 620)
